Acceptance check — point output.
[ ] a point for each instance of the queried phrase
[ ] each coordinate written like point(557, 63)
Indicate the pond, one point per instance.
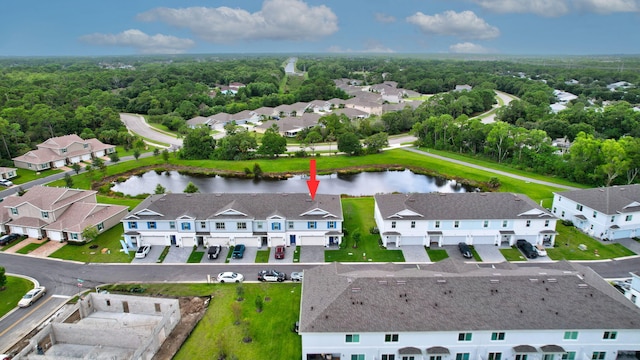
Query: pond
point(365, 183)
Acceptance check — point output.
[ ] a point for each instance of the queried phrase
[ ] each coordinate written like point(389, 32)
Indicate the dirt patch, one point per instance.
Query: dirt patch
point(192, 309)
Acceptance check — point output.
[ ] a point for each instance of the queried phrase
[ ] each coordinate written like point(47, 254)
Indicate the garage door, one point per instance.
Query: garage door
point(453, 240)
point(58, 164)
point(311, 240)
point(154, 240)
point(222, 241)
point(275, 241)
point(621, 234)
point(33, 233)
point(484, 240)
point(188, 241)
point(17, 229)
point(411, 240)
point(248, 241)
point(54, 235)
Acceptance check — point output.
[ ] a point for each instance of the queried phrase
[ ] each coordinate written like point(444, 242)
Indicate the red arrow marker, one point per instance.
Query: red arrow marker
point(312, 183)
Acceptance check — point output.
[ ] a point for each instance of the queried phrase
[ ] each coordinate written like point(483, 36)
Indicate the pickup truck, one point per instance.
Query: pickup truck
point(238, 252)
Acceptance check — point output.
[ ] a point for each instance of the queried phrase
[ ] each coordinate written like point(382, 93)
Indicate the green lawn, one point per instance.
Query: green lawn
point(15, 288)
point(25, 175)
point(568, 240)
point(296, 254)
point(29, 248)
point(358, 214)
point(195, 257)
point(512, 254)
point(436, 255)
point(13, 243)
point(263, 256)
point(109, 239)
point(269, 330)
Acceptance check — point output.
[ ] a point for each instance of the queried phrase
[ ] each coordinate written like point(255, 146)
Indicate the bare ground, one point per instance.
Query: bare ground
point(192, 309)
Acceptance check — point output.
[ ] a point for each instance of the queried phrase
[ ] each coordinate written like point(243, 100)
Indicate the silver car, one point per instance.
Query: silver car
point(32, 296)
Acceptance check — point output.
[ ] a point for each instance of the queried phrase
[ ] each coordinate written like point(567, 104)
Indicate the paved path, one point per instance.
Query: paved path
point(138, 125)
point(499, 172)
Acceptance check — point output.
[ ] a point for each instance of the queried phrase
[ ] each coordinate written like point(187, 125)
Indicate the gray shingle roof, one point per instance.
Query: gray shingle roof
point(460, 206)
point(440, 297)
point(607, 200)
point(255, 206)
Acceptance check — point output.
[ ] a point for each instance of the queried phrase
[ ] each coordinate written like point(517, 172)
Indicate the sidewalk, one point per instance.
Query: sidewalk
point(43, 251)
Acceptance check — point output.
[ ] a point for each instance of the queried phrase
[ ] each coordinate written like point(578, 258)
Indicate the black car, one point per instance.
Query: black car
point(527, 249)
point(465, 250)
point(7, 239)
point(214, 252)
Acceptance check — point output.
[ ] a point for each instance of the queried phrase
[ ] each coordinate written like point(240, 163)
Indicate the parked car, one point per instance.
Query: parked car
point(5, 357)
point(214, 252)
point(465, 250)
point(541, 250)
point(238, 251)
point(7, 239)
point(279, 254)
point(527, 249)
point(143, 251)
point(297, 276)
point(272, 275)
point(229, 276)
point(5, 182)
point(32, 296)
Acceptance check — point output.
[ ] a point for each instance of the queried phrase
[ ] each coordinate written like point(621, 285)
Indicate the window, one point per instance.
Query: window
point(547, 357)
point(528, 223)
point(290, 224)
point(554, 210)
point(497, 336)
point(456, 224)
point(388, 357)
point(464, 337)
point(610, 335)
point(462, 356)
point(172, 224)
point(74, 236)
point(331, 224)
point(562, 214)
point(435, 357)
point(220, 226)
point(571, 355)
point(521, 357)
point(133, 225)
point(595, 214)
point(259, 224)
point(14, 211)
point(613, 218)
point(505, 223)
point(437, 224)
point(311, 224)
point(486, 224)
point(408, 357)
point(495, 356)
point(151, 224)
point(546, 223)
point(352, 338)
point(413, 224)
point(241, 226)
point(391, 338)
point(45, 214)
point(357, 356)
point(275, 226)
point(598, 355)
point(100, 226)
point(203, 224)
point(185, 226)
point(393, 224)
point(85, 145)
point(63, 150)
point(571, 335)
point(633, 298)
point(578, 207)
point(628, 218)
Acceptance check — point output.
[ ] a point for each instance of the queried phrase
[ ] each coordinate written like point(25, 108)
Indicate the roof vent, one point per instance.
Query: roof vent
point(583, 286)
point(187, 195)
point(441, 281)
point(401, 282)
point(552, 280)
point(218, 194)
point(355, 290)
point(442, 194)
point(533, 280)
point(494, 281)
point(382, 282)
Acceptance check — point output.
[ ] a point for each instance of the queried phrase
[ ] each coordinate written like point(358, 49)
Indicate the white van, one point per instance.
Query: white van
point(541, 250)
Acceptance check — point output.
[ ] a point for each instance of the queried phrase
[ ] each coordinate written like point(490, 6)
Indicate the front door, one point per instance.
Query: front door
point(173, 240)
point(292, 240)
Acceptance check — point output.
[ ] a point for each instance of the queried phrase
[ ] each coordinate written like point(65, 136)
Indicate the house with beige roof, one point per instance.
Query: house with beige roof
point(61, 151)
point(60, 214)
point(8, 173)
point(291, 126)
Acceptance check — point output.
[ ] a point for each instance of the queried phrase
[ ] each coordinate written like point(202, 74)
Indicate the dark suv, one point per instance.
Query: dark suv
point(527, 249)
point(7, 239)
point(214, 251)
point(465, 250)
point(238, 251)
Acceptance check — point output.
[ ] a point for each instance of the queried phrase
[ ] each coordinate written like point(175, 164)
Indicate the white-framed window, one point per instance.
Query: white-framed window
point(485, 224)
point(610, 335)
point(14, 211)
point(435, 357)
point(505, 223)
point(312, 225)
point(628, 218)
point(151, 225)
point(464, 336)
point(241, 226)
point(357, 356)
point(393, 224)
point(578, 207)
point(290, 224)
point(220, 226)
point(495, 356)
point(462, 356)
point(259, 224)
point(547, 357)
point(613, 218)
point(595, 214)
point(528, 223)
point(132, 225)
point(456, 224)
point(388, 357)
point(275, 226)
point(571, 335)
point(203, 224)
point(391, 338)
point(100, 226)
point(598, 355)
point(562, 214)
point(546, 223)
point(185, 226)
point(413, 224)
point(497, 336)
point(331, 224)
point(172, 224)
point(352, 338)
point(521, 357)
point(554, 209)
point(569, 355)
point(437, 224)
point(45, 214)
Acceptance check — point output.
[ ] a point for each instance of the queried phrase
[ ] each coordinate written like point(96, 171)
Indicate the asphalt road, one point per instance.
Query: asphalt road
point(138, 125)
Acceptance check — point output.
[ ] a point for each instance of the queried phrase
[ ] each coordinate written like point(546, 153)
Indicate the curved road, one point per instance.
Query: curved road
point(138, 125)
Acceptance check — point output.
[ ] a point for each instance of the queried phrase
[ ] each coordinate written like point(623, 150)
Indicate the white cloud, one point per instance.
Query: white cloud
point(143, 43)
point(468, 48)
point(464, 24)
point(277, 20)
point(384, 18)
point(608, 6)
point(370, 46)
point(540, 7)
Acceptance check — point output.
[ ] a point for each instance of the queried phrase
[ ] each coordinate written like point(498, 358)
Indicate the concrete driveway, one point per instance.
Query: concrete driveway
point(249, 256)
point(288, 255)
point(488, 253)
point(414, 253)
point(178, 255)
point(151, 258)
point(312, 254)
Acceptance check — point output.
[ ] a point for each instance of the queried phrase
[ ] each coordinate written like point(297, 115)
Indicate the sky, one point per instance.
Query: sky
point(131, 27)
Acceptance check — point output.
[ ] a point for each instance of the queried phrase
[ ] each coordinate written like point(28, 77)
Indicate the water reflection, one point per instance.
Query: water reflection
point(365, 183)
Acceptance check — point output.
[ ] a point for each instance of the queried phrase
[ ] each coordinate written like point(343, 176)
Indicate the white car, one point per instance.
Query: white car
point(229, 276)
point(143, 251)
point(5, 182)
point(297, 276)
point(32, 296)
point(541, 250)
